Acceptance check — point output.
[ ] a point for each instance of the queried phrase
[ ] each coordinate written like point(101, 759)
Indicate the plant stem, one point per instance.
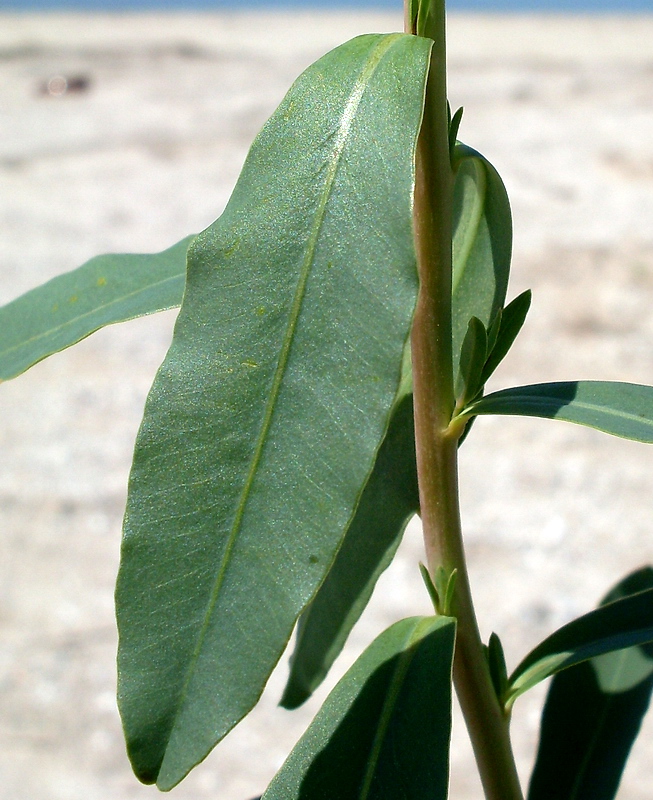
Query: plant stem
point(434, 404)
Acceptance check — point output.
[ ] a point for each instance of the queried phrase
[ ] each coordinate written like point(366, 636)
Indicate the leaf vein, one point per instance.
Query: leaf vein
point(341, 138)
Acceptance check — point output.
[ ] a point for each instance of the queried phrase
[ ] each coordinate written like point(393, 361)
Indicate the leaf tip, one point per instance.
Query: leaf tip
point(293, 696)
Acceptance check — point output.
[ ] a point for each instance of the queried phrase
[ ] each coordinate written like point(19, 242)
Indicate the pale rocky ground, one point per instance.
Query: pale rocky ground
point(553, 514)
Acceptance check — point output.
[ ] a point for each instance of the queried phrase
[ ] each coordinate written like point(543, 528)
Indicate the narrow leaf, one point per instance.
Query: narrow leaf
point(493, 330)
point(621, 623)
point(511, 321)
point(497, 664)
point(104, 290)
point(622, 409)
point(264, 421)
point(389, 500)
point(482, 244)
point(454, 125)
point(440, 587)
point(592, 716)
point(472, 359)
point(430, 586)
point(383, 733)
point(449, 589)
point(427, 9)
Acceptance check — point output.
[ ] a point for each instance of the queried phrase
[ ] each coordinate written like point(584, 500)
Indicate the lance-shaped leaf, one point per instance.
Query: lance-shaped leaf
point(472, 360)
point(265, 419)
point(497, 663)
point(508, 323)
point(383, 733)
point(454, 125)
point(621, 623)
point(622, 409)
point(389, 500)
point(592, 716)
point(482, 244)
point(104, 290)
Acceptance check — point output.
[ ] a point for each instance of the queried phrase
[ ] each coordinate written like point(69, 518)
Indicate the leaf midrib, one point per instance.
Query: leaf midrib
point(95, 310)
point(405, 660)
point(548, 402)
point(340, 141)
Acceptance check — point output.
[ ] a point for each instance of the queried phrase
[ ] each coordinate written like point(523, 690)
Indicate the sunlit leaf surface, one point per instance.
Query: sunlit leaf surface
point(622, 409)
point(266, 416)
point(107, 289)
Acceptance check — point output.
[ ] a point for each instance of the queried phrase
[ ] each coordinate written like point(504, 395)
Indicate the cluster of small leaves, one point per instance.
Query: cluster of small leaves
point(483, 350)
point(274, 471)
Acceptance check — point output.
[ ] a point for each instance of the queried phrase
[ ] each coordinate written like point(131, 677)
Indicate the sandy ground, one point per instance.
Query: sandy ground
point(147, 153)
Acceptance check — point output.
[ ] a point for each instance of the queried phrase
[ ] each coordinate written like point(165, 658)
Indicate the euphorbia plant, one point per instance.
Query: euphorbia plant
point(338, 325)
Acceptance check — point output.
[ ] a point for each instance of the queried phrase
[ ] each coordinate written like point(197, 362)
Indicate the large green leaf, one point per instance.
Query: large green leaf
point(622, 409)
point(383, 733)
point(264, 421)
point(104, 290)
point(482, 244)
point(389, 500)
point(618, 624)
point(592, 716)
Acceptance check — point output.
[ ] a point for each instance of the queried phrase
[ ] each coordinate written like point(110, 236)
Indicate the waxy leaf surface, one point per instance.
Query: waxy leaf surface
point(389, 500)
point(622, 409)
point(592, 716)
point(482, 244)
point(265, 419)
point(621, 623)
point(383, 733)
point(104, 290)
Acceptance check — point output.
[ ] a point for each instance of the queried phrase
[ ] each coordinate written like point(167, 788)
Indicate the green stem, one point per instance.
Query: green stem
point(434, 403)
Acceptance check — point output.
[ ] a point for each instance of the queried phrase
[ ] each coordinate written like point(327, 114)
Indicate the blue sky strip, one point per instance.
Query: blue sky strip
point(588, 6)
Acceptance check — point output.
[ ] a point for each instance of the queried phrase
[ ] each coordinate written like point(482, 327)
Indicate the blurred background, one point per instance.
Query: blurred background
point(591, 6)
point(123, 128)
